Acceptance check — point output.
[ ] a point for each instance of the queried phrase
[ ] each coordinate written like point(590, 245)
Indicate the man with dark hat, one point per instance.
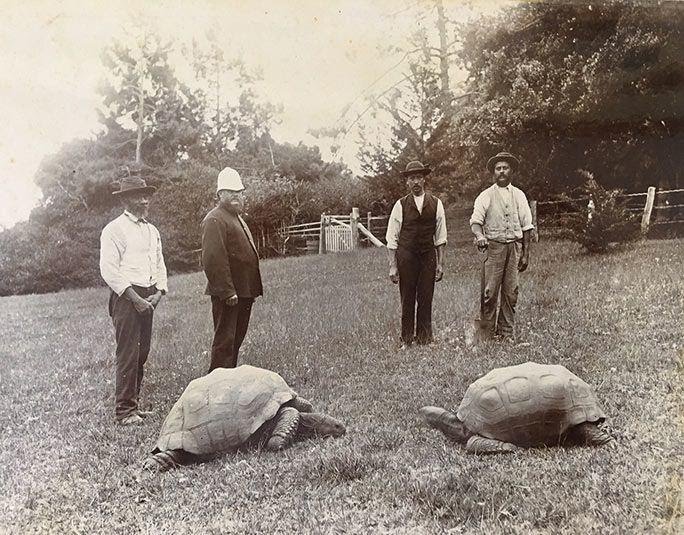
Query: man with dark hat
point(132, 265)
point(416, 235)
point(231, 264)
point(502, 224)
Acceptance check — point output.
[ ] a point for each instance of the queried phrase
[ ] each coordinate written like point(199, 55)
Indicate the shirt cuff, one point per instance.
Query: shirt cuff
point(528, 227)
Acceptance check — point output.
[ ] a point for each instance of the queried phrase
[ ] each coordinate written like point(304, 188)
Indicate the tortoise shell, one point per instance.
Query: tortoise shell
point(220, 411)
point(528, 404)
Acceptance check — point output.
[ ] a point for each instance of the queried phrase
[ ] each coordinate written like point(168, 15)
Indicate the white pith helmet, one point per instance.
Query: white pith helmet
point(229, 179)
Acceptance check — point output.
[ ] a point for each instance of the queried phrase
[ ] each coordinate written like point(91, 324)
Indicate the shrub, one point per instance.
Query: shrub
point(604, 221)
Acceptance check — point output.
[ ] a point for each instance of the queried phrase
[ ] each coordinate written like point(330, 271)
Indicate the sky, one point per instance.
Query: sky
point(316, 57)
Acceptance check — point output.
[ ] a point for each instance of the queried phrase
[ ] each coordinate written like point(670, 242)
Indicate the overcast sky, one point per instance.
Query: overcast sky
point(316, 56)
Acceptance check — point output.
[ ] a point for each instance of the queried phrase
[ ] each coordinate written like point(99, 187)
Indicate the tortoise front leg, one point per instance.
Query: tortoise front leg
point(284, 430)
point(480, 444)
point(589, 434)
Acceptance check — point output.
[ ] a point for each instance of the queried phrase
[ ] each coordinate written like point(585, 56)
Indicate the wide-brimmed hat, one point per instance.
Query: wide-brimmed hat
point(229, 179)
point(134, 184)
point(503, 157)
point(416, 167)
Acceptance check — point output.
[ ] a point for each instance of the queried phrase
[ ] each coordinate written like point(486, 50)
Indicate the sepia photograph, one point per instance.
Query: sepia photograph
point(343, 267)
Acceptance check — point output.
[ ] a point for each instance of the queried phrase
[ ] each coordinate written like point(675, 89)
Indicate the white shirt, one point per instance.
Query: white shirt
point(397, 217)
point(131, 254)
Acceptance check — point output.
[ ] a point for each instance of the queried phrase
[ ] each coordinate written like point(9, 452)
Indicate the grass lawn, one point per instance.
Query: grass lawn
point(329, 325)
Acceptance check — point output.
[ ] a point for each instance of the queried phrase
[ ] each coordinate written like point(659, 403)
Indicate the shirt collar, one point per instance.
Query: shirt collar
point(510, 185)
point(421, 196)
point(134, 218)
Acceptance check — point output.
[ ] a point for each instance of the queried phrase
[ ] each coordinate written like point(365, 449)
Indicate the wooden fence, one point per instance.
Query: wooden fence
point(660, 209)
point(346, 232)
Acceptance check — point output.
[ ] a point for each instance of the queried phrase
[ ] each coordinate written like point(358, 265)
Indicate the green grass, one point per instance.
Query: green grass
point(329, 325)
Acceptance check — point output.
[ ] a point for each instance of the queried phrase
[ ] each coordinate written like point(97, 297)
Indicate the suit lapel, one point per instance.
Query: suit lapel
point(248, 233)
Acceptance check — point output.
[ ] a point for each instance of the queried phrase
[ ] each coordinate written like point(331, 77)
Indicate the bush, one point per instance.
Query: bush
point(604, 221)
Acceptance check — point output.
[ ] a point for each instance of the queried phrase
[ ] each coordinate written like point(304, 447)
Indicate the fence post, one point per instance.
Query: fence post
point(648, 208)
point(354, 222)
point(535, 232)
point(321, 235)
point(369, 218)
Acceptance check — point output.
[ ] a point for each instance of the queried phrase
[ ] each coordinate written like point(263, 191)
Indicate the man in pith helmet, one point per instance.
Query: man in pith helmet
point(502, 225)
point(132, 265)
point(231, 264)
point(416, 236)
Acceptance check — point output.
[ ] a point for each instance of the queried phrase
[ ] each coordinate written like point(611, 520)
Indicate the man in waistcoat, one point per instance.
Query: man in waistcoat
point(502, 224)
point(416, 235)
point(231, 264)
point(132, 265)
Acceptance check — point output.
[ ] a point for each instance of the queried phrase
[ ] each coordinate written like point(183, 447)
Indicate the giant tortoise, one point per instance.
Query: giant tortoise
point(234, 407)
point(525, 405)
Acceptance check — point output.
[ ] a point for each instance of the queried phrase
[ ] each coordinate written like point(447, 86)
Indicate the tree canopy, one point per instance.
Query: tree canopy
point(567, 86)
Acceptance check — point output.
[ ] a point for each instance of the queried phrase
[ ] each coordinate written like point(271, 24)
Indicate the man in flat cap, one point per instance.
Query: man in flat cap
point(416, 235)
point(132, 265)
point(502, 224)
point(231, 264)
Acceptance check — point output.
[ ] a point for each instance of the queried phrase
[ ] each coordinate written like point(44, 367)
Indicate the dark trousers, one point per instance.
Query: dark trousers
point(416, 287)
point(133, 332)
point(230, 328)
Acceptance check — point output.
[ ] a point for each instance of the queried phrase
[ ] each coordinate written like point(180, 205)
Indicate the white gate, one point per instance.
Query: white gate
point(335, 233)
point(338, 238)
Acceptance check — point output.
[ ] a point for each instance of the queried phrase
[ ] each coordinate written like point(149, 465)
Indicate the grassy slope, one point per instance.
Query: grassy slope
point(329, 326)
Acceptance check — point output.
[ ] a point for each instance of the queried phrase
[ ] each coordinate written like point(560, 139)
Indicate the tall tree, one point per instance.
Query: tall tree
point(573, 85)
point(142, 93)
point(418, 110)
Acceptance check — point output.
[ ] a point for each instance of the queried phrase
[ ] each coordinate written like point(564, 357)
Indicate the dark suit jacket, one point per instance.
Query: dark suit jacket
point(229, 258)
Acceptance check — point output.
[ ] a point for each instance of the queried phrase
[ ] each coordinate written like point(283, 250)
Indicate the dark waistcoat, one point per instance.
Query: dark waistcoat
point(417, 232)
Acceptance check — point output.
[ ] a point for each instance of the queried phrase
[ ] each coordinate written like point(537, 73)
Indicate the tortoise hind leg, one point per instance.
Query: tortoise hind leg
point(589, 434)
point(285, 429)
point(161, 461)
point(480, 444)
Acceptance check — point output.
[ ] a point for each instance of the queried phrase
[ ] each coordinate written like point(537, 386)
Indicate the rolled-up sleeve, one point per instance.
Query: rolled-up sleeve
point(162, 278)
point(480, 208)
point(394, 226)
point(440, 225)
point(110, 262)
point(524, 212)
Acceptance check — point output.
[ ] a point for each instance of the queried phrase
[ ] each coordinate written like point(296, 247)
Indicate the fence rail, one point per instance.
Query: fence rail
point(662, 212)
point(341, 232)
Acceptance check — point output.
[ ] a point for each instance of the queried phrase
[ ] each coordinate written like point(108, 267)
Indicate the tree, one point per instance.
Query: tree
point(178, 139)
point(571, 85)
point(417, 111)
point(143, 91)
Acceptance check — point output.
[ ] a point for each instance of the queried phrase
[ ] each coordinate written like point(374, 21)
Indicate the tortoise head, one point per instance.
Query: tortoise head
point(320, 425)
point(446, 422)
